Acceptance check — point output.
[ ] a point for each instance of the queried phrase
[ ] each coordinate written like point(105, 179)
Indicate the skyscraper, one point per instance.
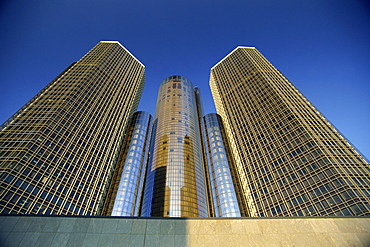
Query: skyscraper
point(125, 194)
point(175, 185)
point(226, 199)
point(290, 159)
point(57, 153)
point(78, 147)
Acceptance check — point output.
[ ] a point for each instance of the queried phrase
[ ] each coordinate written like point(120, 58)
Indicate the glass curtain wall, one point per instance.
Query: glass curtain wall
point(58, 153)
point(291, 160)
point(127, 186)
point(223, 192)
point(175, 178)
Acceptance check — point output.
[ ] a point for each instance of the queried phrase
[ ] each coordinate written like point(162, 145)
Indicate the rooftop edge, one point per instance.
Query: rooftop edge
point(248, 47)
point(112, 41)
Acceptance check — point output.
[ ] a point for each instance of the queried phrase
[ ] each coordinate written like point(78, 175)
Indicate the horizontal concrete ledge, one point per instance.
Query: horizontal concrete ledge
point(186, 218)
point(31, 230)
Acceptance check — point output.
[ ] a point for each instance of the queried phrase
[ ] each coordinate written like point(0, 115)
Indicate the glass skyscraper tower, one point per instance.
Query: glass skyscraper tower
point(58, 152)
point(79, 148)
point(125, 194)
point(291, 161)
point(175, 185)
point(226, 199)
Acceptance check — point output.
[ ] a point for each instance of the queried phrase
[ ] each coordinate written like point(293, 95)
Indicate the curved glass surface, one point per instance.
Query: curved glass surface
point(129, 191)
point(175, 178)
point(223, 192)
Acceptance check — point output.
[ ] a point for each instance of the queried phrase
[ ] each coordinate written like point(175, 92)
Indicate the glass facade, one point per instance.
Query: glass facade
point(79, 148)
point(219, 162)
point(126, 188)
point(58, 153)
point(175, 184)
point(291, 161)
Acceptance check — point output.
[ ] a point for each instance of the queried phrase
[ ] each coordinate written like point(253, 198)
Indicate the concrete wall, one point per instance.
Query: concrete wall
point(113, 231)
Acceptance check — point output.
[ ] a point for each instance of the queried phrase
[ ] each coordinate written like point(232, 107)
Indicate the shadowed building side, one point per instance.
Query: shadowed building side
point(161, 190)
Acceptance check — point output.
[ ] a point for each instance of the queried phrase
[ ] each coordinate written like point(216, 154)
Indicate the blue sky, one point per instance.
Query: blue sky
point(321, 46)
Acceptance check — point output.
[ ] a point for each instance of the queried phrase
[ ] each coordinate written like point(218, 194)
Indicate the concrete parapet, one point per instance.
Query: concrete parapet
point(19, 230)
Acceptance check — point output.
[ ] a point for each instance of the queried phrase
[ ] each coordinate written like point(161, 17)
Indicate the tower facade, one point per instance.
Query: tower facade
point(226, 199)
point(58, 152)
point(125, 193)
point(290, 159)
point(175, 184)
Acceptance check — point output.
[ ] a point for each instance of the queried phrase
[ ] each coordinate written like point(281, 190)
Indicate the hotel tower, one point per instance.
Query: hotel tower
point(175, 184)
point(59, 151)
point(291, 161)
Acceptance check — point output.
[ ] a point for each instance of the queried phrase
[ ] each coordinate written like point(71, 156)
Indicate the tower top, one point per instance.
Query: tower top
point(238, 47)
point(112, 41)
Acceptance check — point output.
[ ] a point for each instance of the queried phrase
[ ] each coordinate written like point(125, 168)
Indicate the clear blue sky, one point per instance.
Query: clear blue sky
point(322, 46)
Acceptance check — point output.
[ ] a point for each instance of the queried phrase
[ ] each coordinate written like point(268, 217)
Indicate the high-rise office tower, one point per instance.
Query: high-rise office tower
point(175, 184)
point(125, 194)
point(290, 159)
point(58, 152)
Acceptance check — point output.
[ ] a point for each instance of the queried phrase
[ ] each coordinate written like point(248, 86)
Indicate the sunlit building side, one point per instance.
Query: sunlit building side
point(291, 161)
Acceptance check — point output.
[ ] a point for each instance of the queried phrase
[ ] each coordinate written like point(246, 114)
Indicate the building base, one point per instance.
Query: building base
point(30, 231)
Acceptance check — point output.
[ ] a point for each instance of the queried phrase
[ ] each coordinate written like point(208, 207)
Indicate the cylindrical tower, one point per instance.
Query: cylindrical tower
point(175, 177)
point(125, 194)
point(223, 181)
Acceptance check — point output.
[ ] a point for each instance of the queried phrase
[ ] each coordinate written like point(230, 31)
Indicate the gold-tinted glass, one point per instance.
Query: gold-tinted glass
point(58, 153)
point(175, 180)
point(291, 160)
